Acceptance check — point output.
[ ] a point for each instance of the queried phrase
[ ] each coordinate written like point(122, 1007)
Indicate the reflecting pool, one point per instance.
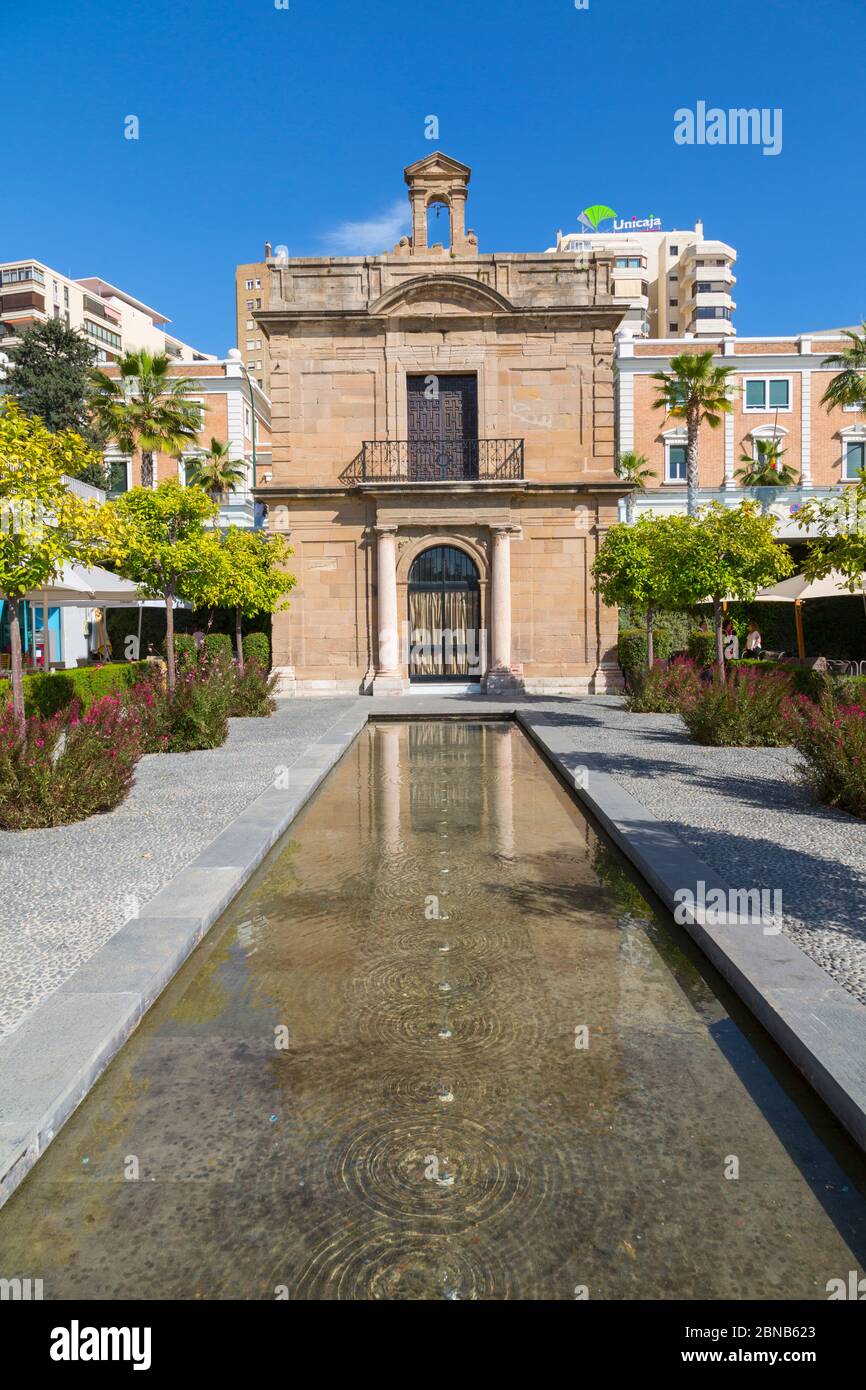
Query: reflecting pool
point(441, 1048)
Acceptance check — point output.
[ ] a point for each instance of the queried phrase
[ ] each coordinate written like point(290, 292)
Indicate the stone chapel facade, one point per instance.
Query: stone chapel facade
point(443, 451)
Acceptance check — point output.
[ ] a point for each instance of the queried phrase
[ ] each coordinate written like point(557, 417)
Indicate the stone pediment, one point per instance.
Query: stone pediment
point(440, 294)
point(437, 165)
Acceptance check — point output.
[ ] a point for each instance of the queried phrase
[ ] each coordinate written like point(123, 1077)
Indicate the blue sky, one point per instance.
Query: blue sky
point(294, 124)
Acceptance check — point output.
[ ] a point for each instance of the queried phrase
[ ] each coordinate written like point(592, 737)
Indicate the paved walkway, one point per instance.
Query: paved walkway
point(64, 893)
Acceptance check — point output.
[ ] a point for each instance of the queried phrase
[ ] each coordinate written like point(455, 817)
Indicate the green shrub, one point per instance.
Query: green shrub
point(257, 648)
point(664, 689)
point(701, 647)
point(252, 692)
point(69, 766)
point(46, 692)
point(185, 649)
point(748, 710)
point(633, 647)
point(831, 738)
point(218, 646)
point(196, 717)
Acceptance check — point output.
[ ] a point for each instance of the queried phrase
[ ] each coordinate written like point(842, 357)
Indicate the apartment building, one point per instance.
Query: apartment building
point(776, 391)
point(252, 289)
point(673, 284)
point(112, 320)
point(234, 410)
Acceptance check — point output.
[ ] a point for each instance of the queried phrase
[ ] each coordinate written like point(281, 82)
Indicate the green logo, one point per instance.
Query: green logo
point(590, 217)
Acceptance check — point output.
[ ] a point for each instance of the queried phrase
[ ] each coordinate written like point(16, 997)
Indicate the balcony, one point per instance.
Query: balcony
point(437, 461)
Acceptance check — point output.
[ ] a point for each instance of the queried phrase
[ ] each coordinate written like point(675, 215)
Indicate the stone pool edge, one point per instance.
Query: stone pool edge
point(52, 1060)
point(818, 1025)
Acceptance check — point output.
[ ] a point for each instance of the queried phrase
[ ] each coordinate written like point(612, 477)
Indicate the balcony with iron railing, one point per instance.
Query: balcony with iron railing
point(437, 461)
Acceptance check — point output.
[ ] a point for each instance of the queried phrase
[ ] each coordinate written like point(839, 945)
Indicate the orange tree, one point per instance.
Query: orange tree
point(43, 524)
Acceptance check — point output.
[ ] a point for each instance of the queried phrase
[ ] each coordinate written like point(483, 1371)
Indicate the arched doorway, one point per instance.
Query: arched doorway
point(444, 616)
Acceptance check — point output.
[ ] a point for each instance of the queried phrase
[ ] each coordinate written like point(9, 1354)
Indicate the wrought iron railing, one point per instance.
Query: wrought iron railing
point(439, 460)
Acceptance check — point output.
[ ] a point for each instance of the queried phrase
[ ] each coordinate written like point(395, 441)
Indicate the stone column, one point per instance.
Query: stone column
point(607, 677)
point(389, 678)
point(500, 676)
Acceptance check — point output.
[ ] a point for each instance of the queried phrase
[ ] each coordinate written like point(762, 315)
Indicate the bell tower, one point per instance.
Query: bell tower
point(438, 179)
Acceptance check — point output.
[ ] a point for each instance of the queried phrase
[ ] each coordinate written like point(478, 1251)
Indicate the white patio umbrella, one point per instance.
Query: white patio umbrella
point(67, 586)
point(797, 589)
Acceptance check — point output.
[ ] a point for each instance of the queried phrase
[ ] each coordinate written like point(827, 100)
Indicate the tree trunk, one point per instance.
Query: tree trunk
point(169, 642)
point(629, 509)
point(147, 469)
point(693, 424)
point(17, 673)
point(650, 637)
point(720, 641)
point(239, 641)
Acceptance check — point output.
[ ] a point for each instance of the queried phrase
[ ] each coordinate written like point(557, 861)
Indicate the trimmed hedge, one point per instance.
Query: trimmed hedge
point(46, 692)
point(701, 648)
point(218, 646)
point(185, 649)
point(633, 651)
point(257, 648)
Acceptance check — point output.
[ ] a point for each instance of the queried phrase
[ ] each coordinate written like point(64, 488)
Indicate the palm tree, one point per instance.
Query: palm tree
point(215, 471)
point(848, 387)
point(633, 468)
point(694, 390)
point(765, 469)
point(145, 408)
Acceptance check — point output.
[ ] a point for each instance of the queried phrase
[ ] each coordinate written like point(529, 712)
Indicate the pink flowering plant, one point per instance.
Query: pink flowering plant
point(67, 767)
point(666, 689)
point(746, 711)
point(831, 739)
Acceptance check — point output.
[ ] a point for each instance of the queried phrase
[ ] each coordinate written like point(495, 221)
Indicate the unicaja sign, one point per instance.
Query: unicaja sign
point(599, 212)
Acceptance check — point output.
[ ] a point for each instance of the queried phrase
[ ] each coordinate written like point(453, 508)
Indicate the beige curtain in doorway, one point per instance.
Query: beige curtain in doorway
point(425, 618)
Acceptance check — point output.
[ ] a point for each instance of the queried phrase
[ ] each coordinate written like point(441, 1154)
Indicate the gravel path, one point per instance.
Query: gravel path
point(63, 893)
point(743, 811)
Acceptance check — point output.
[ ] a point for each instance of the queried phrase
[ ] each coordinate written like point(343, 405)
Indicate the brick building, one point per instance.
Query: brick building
point(776, 393)
point(443, 448)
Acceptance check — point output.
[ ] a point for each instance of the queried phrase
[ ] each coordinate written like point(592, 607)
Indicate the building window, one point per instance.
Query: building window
point(854, 459)
point(258, 284)
point(118, 476)
point(672, 303)
point(249, 284)
point(250, 345)
point(66, 294)
point(248, 422)
point(630, 262)
point(712, 311)
point(675, 251)
point(676, 463)
point(672, 328)
point(857, 406)
point(258, 304)
point(249, 304)
point(767, 393)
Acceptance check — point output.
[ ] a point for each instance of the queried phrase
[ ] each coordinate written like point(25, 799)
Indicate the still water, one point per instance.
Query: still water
point(440, 1048)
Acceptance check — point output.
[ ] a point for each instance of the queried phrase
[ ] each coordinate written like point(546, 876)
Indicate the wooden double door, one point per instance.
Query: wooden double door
point(443, 428)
